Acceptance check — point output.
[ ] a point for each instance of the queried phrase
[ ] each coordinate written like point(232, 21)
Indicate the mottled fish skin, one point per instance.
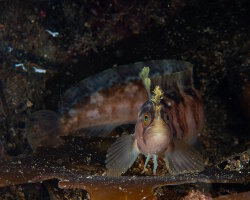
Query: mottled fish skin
point(186, 114)
point(166, 133)
point(114, 97)
point(116, 105)
point(121, 75)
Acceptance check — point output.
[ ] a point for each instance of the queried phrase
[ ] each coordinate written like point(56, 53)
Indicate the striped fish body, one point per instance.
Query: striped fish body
point(164, 129)
point(186, 113)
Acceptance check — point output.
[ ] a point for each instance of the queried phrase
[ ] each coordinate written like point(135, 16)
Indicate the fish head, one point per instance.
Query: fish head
point(153, 128)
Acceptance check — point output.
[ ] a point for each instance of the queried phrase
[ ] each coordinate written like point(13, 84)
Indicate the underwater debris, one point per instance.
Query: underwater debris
point(38, 168)
point(40, 71)
point(70, 164)
point(9, 49)
point(36, 70)
point(20, 65)
point(236, 162)
point(54, 34)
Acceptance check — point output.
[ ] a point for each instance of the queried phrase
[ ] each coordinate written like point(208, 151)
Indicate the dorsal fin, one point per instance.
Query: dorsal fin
point(164, 73)
point(181, 76)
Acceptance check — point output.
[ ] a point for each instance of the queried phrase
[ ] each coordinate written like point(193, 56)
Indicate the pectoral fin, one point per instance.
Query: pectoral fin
point(121, 155)
point(183, 158)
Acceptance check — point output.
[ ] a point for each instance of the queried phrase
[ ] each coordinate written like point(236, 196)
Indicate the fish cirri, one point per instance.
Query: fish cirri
point(117, 96)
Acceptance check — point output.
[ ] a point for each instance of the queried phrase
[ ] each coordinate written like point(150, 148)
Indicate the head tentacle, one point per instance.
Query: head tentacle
point(144, 75)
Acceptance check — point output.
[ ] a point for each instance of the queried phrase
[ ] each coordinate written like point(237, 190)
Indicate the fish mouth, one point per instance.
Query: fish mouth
point(157, 136)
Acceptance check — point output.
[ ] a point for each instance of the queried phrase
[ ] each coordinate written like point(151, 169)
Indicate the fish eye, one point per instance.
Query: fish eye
point(146, 119)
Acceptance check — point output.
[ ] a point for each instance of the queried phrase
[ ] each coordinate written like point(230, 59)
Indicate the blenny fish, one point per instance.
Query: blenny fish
point(114, 97)
point(163, 127)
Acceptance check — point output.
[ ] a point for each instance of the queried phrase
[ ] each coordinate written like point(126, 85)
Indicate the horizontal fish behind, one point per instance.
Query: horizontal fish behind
point(123, 75)
point(103, 101)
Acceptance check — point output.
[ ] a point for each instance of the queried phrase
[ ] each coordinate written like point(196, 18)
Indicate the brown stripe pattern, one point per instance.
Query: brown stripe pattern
point(186, 112)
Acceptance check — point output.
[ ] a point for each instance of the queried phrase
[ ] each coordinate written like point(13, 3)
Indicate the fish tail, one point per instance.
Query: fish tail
point(183, 158)
point(121, 155)
point(43, 128)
